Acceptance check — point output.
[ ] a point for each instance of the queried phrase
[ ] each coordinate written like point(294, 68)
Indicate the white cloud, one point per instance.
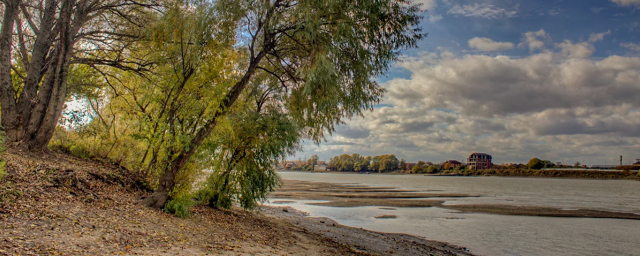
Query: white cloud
point(427, 4)
point(598, 36)
point(627, 2)
point(430, 6)
point(435, 17)
point(631, 46)
point(557, 104)
point(487, 11)
point(580, 50)
point(534, 40)
point(487, 44)
point(480, 85)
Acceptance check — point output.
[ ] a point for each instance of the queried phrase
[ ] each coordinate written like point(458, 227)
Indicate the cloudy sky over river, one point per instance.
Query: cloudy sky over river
point(555, 79)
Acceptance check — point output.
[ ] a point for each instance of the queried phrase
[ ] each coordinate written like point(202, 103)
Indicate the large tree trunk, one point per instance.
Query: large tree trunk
point(160, 197)
point(35, 72)
point(31, 110)
point(7, 95)
point(53, 91)
point(30, 118)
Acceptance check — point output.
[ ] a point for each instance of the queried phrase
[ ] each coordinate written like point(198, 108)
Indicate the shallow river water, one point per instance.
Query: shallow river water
point(487, 234)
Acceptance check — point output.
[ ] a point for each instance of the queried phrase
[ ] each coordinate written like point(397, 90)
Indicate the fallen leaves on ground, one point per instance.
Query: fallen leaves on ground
point(54, 204)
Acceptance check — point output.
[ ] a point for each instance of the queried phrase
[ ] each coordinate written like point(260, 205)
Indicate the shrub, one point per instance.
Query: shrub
point(180, 206)
point(79, 151)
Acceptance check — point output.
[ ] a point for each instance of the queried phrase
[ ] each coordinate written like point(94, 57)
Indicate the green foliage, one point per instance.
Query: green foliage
point(535, 164)
point(384, 163)
point(420, 167)
point(432, 169)
point(235, 85)
point(358, 163)
point(247, 149)
point(180, 206)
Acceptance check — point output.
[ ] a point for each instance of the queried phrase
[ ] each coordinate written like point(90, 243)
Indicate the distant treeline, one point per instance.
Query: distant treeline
point(549, 173)
point(358, 163)
point(380, 164)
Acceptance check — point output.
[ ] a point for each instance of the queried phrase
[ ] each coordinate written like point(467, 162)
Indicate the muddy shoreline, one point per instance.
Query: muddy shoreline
point(362, 240)
point(353, 195)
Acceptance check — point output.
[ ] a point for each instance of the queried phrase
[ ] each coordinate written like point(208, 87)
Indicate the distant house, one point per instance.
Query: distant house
point(453, 164)
point(409, 166)
point(321, 163)
point(479, 161)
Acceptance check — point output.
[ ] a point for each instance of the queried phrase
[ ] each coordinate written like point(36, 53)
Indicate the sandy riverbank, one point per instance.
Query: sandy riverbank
point(60, 205)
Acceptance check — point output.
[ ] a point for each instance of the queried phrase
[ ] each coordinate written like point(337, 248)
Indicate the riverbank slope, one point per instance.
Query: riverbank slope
point(55, 204)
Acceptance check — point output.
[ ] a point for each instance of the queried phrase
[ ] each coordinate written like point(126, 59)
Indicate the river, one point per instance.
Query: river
point(487, 234)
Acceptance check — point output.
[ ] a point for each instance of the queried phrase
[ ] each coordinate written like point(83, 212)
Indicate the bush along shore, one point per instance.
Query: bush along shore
point(558, 173)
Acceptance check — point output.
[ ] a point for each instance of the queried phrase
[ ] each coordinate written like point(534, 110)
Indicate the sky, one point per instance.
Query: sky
point(553, 79)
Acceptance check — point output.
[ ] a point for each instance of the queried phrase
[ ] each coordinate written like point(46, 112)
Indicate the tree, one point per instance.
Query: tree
point(318, 60)
point(535, 164)
point(402, 165)
point(432, 168)
point(577, 164)
point(374, 166)
point(250, 143)
point(313, 161)
point(362, 163)
point(419, 167)
point(41, 42)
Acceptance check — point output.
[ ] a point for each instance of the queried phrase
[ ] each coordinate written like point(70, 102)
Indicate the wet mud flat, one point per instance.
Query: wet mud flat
point(363, 241)
point(355, 195)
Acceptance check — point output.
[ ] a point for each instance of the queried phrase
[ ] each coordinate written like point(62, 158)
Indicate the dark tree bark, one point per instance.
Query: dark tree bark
point(7, 94)
point(32, 106)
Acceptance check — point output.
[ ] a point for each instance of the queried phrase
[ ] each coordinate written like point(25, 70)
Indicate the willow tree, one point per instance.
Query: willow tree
point(246, 146)
point(323, 55)
point(40, 40)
